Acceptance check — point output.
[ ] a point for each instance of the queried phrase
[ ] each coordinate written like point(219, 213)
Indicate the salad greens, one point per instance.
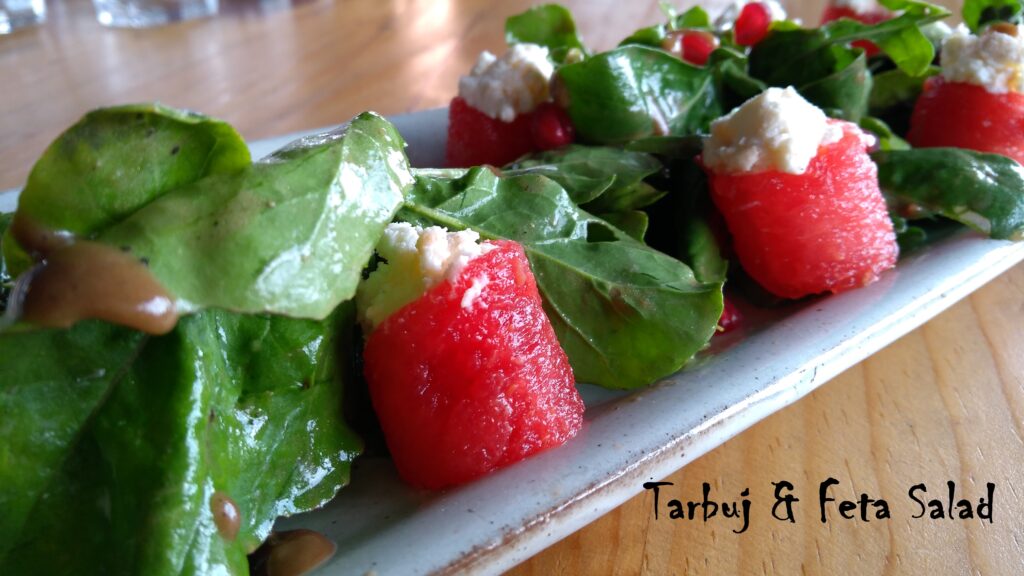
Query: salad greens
point(118, 449)
point(636, 91)
point(602, 179)
point(115, 161)
point(625, 314)
point(116, 442)
point(983, 191)
point(288, 235)
point(693, 19)
point(978, 13)
point(548, 25)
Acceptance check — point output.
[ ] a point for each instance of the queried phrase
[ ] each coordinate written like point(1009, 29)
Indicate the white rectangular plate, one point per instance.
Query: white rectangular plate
point(381, 526)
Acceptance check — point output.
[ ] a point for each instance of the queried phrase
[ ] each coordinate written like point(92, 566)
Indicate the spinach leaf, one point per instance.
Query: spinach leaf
point(669, 147)
point(983, 191)
point(887, 139)
point(625, 314)
point(896, 88)
point(121, 475)
point(831, 76)
point(625, 198)
point(693, 19)
point(50, 383)
point(845, 92)
point(900, 38)
point(289, 235)
point(636, 91)
point(594, 173)
point(681, 221)
point(908, 236)
point(821, 65)
point(115, 161)
point(977, 13)
point(734, 84)
point(549, 25)
point(632, 222)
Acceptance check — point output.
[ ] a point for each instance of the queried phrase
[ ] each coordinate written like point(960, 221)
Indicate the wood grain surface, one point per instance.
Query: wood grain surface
point(946, 402)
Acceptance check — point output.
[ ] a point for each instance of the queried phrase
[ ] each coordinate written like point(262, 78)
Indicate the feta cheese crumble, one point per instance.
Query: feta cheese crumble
point(514, 84)
point(728, 16)
point(775, 130)
point(417, 259)
point(992, 60)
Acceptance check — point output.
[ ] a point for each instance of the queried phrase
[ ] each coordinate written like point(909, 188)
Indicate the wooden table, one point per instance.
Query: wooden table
point(946, 402)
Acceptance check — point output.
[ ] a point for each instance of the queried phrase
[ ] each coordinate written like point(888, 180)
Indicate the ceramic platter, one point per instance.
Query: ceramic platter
point(382, 527)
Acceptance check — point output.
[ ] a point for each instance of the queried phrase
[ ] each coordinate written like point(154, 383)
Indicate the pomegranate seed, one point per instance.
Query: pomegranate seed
point(697, 46)
point(730, 318)
point(752, 24)
point(551, 127)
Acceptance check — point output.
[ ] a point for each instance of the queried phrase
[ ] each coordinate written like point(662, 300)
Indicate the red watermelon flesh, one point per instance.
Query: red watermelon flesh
point(475, 138)
point(826, 230)
point(964, 115)
point(463, 390)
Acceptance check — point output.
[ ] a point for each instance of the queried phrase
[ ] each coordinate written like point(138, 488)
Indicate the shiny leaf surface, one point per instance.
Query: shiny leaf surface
point(983, 191)
point(115, 161)
point(289, 235)
point(625, 314)
point(122, 475)
point(636, 91)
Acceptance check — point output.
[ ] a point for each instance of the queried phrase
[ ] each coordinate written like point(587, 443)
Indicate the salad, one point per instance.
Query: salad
point(189, 337)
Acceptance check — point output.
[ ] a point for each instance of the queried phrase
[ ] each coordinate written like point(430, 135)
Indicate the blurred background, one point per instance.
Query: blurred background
point(266, 66)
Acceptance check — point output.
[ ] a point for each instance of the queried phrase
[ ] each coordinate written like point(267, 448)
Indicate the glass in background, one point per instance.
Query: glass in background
point(16, 14)
point(149, 13)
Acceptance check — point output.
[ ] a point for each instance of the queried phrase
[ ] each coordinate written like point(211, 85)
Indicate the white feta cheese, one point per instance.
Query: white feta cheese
point(473, 292)
point(775, 130)
point(992, 60)
point(417, 259)
point(728, 17)
point(514, 84)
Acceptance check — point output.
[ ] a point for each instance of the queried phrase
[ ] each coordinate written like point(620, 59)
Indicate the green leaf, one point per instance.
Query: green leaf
point(625, 314)
point(671, 147)
point(823, 55)
point(549, 25)
point(115, 161)
point(120, 441)
point(693, 19)
point(983, 191)
point(590, 173)
point(50, 384)
point(895, 88)
point(289, 235)
point(887, 139)
point(900, 38)
point(828, 75)
point(625, 198)
point(652, 36)
point(734, 84)
point(632, 222)
point(845, 92)
point(977, 13)
point(908, 236)
point(637, 91)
